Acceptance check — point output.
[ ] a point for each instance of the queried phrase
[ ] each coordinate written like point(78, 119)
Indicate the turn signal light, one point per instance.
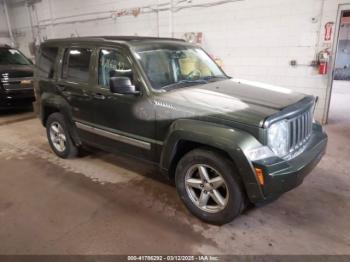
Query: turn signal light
point(260, 175)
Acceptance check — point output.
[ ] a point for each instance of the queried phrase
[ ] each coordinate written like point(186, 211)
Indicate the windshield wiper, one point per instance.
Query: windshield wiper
point(208, 78)
point(200, 81)
point(185, 82)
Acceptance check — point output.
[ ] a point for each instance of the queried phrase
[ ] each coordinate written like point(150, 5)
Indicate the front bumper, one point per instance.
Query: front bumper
point(18, 99)
point(283, 175)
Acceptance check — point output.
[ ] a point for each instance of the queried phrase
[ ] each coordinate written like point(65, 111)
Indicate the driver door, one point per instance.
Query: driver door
point(123, 122)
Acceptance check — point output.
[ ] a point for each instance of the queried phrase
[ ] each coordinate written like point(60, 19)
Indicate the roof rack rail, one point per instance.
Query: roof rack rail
point(117, 38)
point(136, 38)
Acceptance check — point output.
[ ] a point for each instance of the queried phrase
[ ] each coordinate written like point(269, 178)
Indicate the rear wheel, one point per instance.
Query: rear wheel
point(59, 138)
point(207, 184)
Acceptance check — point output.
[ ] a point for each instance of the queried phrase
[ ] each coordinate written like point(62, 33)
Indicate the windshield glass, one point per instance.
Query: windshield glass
point(9, 56)
point(175, 67)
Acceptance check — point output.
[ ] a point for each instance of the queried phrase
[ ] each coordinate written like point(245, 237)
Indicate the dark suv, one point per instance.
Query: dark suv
point(225, 142)
point(16, 75)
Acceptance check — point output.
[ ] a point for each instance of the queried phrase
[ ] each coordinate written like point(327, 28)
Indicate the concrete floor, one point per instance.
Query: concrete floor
point(107, 204)
point(12, 116)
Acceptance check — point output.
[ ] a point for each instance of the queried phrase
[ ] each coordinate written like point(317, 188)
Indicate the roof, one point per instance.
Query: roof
point(127, 39)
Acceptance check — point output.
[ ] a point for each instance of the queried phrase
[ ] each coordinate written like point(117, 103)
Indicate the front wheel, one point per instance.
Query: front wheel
point(207, 184)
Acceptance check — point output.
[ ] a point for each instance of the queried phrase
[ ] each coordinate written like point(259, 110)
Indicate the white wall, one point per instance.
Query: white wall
point(4, 32)
point(256, 39)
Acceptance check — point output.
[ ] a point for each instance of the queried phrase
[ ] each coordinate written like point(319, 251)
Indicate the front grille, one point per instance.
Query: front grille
point(300, 130)
point(15, 84)
point(17, 87)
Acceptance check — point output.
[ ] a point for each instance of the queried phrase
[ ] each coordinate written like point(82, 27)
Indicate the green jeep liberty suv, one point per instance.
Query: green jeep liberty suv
point(225, 142)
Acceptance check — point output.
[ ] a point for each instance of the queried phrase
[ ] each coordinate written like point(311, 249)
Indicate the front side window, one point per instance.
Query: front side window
point(173, 67)
point(10, 56)
point(76, 64)
point(112, 64)
point(47, 61)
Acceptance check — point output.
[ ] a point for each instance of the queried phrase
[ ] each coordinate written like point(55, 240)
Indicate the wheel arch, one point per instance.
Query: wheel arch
point(51, 103)
point(186, 135)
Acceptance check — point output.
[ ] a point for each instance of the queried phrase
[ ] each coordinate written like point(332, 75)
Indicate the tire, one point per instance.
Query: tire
point(57, 122)
point(216, 165)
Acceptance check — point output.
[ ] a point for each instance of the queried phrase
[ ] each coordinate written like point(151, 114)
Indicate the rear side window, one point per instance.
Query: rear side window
point(46, 65)
point(76, 64)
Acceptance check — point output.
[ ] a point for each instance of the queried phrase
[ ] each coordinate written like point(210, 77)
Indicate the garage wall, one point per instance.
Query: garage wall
point(4, 31)
point(67, 18)
point(255, 39)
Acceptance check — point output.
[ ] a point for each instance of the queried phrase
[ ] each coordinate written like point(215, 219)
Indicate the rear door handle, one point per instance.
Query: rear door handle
point(100, 96)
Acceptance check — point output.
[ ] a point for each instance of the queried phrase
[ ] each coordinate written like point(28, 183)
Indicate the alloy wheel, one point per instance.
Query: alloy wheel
point(58, 137)
point(206, 188)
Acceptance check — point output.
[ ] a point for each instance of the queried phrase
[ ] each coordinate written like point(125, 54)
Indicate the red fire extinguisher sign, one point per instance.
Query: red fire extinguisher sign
point(328, 31)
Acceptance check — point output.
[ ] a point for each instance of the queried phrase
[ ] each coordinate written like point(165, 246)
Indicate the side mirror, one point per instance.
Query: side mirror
point(122, 85)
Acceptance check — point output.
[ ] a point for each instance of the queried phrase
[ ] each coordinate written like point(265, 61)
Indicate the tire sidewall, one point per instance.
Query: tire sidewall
point(226, 169)
point(70, 148)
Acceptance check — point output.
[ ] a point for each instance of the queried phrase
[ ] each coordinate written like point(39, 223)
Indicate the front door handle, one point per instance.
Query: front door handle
point(100, 96)
point(61, 87)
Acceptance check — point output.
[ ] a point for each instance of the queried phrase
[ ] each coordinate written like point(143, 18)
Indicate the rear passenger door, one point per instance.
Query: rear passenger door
point(74, 82)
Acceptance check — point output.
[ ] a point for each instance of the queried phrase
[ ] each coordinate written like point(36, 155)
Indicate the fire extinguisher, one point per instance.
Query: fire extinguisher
point(323, 58)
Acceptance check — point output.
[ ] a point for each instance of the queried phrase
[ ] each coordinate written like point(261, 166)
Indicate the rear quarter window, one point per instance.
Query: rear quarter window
point(47, 60)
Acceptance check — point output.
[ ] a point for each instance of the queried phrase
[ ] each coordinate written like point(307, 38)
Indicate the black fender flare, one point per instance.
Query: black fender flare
point(49, 100)
point(229, 140)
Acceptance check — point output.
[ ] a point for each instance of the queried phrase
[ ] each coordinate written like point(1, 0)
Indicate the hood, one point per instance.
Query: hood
point(16, 71)
point(236, 100)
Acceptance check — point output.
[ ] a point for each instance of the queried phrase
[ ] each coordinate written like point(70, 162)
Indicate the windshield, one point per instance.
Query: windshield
point(175, 67)
point(9, 56)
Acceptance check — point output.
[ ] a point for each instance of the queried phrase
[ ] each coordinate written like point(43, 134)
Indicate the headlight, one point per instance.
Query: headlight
point(278, 138)
point(259, 153)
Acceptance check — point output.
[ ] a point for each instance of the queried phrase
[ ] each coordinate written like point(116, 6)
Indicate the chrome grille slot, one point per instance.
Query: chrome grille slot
point(300, 130)
point(12, 84)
